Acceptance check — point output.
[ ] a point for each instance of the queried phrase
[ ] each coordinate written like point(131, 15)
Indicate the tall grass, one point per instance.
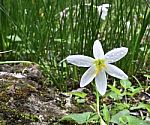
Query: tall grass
point(47, 38)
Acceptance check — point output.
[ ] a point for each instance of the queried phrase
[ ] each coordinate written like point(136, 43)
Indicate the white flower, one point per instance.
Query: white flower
point(102, 10)
point(128, 25)
point(99, 65)
point(64, 12)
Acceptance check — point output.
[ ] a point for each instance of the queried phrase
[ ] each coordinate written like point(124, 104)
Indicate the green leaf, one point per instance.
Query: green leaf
point(102, 122)
point(125, 83)
point(116, 118)
point(122, 106)
point(132, 120)
point(134, 90)
point(114, 96)
point(106, 114)
point(147, 76)
point(94, 118)
point(79, 94)
point(113, 88)
point(142, 106)
point(124, 118)
point(78, 118)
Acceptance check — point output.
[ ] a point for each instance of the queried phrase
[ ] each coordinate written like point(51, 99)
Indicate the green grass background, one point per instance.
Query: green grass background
point(46, 38)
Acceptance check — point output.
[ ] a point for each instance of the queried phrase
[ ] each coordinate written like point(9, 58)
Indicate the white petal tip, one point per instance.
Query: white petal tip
point(81, 86)
point(124, 49)
point(125, 77)
point(98, 50)
point(102, 93)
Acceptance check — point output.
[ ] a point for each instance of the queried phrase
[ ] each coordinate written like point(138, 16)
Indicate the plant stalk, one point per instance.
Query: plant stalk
point(97, 105)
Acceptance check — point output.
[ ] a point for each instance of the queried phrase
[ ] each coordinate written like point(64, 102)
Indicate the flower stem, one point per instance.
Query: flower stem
point(97, 102)
point(97, 105)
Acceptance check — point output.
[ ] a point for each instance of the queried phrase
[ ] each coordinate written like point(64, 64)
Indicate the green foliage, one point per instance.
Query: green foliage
point(148, 76)
point(124, 118)
point(116, 117)
point(78, 118)
point(142, 106)
point(35, 31)
point(125, 83)
point(106, 113)
point(79, 94)
point(83, 118)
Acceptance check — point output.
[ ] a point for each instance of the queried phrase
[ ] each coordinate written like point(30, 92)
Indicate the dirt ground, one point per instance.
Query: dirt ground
point(25, 100)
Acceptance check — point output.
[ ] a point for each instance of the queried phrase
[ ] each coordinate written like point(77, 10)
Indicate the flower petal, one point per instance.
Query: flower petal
point(98, 50)
point(103, 15)
point(88, 76)
point(99, 8)
point(116, 54)
point(115, 72)
point(80, 60)
point(101, 82)
point(106, 5)
point(104, 9)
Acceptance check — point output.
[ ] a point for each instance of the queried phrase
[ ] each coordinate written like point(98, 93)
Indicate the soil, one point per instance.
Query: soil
point(26, 100)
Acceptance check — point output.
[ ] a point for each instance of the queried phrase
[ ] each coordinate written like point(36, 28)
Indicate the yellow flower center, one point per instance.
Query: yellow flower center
point(100, 64)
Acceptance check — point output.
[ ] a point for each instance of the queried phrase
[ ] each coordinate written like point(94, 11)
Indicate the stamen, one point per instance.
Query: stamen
point(100, 64)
